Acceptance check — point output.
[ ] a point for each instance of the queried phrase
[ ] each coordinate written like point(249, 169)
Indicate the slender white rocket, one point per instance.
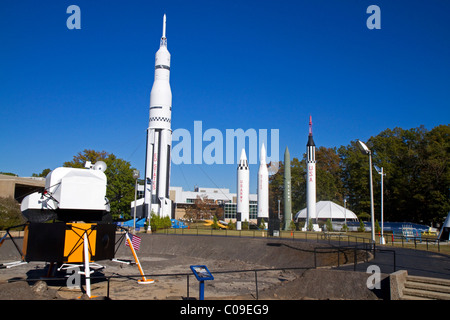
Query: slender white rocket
point(164, 27)
point(159, 136)
point(243, 181)
point(263, 186)
point(310, 176)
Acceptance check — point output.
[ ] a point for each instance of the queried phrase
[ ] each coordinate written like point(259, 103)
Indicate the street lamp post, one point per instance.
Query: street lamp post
point(381, 172)
point(345, 210)
point(136, 175)
point(366, 150)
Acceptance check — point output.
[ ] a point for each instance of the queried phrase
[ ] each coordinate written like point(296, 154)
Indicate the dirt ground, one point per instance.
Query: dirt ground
point(166, 259)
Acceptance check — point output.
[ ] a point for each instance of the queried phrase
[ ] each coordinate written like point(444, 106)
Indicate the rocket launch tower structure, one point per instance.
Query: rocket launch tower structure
point(310, 177)
point(159, 136)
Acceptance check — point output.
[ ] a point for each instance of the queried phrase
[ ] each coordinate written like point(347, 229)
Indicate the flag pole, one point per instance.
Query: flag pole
point(143, 280)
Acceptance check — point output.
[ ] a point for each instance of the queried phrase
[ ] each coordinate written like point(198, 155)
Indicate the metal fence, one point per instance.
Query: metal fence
point(355, 250)
point(418, 243)
point(349, 249)
point(108, 278)
point(352, 250)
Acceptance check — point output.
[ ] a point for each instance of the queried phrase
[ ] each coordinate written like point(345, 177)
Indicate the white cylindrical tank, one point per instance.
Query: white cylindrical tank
point(311, 177)
point(159, 136)
point(243, 181)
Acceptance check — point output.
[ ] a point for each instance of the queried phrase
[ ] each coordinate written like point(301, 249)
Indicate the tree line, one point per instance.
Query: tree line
point(416, 181)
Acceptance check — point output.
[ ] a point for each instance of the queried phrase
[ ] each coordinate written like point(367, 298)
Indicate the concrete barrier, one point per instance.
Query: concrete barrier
point(397, 282)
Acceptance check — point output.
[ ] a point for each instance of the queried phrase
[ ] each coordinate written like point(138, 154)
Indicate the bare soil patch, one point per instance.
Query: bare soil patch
point(161, 255)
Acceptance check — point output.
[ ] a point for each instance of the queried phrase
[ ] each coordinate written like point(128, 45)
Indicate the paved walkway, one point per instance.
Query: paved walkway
point(416, 262)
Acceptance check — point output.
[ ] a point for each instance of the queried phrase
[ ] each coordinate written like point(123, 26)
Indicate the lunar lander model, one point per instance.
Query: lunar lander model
point(84, 233)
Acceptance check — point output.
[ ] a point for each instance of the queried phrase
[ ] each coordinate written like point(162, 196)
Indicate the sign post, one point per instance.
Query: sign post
point(202, 274)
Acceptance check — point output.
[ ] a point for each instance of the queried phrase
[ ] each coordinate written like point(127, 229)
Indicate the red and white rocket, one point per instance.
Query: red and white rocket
point(243, 188)
point(159, 136)
point(310, 177)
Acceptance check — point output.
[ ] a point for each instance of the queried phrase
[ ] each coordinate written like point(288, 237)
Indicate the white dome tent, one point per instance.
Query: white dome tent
point(329, 210)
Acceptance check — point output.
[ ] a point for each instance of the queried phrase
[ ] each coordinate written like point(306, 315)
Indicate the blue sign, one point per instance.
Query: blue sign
point(202, 274)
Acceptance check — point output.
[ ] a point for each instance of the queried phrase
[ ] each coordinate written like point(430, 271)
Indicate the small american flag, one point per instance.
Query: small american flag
point(135, 241)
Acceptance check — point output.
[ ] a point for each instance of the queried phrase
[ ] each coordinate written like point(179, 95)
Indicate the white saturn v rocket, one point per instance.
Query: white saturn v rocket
point(159, 136)
point(263, 186)
point(243, 188)
point(310, 177)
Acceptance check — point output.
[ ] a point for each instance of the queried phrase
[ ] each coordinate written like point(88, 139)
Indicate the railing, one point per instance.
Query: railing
point(407, 241)
point(355, 245)
point(418, 243)
point(354, 249)
point(343, 244)
point(153, 276)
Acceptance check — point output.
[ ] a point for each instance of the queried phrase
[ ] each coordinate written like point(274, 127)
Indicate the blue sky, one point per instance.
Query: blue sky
point(251, 64)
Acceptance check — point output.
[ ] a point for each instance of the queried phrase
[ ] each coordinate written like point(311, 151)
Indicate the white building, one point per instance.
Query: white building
point(329, 210)
point(220, 196)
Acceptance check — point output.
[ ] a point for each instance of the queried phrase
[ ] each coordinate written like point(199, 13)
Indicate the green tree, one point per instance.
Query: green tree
point(310, 224)
point(292, 226)
point(398, 151)
point(298, 185)
point(80, 159)
point(417, 173)
point(157, 222)
point(276, 189)
point(120, 190)
point(377, 226)
point(364, 216)
point(362, 227)
point(203, 208)
point(329, 225)
point(10, 214)
point(43, 174)
point(435, 174)
point(328, 172)
point(9, 174)
point(262, 224)
point(215, 225)
point(355, 177)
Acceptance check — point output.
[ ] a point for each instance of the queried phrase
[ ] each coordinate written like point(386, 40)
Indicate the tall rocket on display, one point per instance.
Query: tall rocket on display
point(310, 176)
point(243, 188)
point(263, 186)
point(159, 136)
point(287, 190)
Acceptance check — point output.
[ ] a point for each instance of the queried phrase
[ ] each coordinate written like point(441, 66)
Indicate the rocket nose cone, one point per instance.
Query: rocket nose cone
point(243, 155)
point(286, 152)
point(262, 154)
point(243, 164)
